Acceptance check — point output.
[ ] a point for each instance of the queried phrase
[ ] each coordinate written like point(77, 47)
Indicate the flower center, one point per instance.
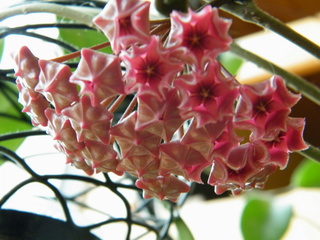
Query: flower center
point(125, 25)
point(261, 107)
point(205, 93)
point(194, 40)
point(150, 70)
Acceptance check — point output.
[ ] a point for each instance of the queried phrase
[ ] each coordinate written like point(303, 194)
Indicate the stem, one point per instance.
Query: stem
point(159, 21)
point(10, 95)
point(165, 7)
point(5, 75)
point(49, 39)
point(117, 103)
point(76, 54)
point(61, 199)
point(80, 14)
point(21, 134)
point(311, 153)
point(215, 3)
point(9, 194)
point(14, 30)
point(160, 28)
point(247, 10)
point(91, 3)
point(114, 189)
point(130, 108)
point(307, 89)
point(18, 160)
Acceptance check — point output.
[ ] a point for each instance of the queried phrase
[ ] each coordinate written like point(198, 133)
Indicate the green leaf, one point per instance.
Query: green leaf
point(11, 118)
point(184, 232)
point(1, 47)
point(83, 38)
point(307, 174)
point(231, 62)
point(265, 218)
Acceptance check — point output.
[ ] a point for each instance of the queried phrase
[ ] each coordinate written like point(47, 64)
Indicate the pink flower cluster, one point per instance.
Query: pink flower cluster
point(187, 114)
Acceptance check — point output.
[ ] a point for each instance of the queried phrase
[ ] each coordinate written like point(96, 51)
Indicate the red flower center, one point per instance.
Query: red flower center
point(194, 39)
point(125, 26)
point(150, 72)
point(261, 107)
point(205, 93)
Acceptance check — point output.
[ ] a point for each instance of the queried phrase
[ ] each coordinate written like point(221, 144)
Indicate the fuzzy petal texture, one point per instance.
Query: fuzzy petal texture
point(59, 127)
point(289, 140)
point(142, 166)
point(247, 167)
point(203, 138)
point(124, 23)
point(55, 86)
point(163, 187)
point(101, 157)
point(203, 33)
point(150, 68)
point(160, 117)
point(98, 75)
point(133, 142)
point(207, 95)
point(89, 122)
point(264, 107)
point(34, 104)
point(179, 159)
point(26, 68)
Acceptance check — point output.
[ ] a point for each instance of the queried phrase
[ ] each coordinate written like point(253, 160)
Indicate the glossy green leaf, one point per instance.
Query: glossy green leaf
point(83, 38)
point(184, 232)
point(11, 118)
point(231, 62)
point(265, 218)
point(307, 174)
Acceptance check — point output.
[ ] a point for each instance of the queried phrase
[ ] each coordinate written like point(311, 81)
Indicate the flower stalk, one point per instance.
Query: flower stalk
point(248, 10)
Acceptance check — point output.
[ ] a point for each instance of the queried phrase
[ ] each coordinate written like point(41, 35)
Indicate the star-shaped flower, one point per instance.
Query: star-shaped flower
point(27, 69)
point(89, 122)
point(83, 165)
point(150, 68)
point(264, 107)
point(160, 117)
point(162, 187)
point(179, 159)
point(98, 75)
point(227, 140)
point(55, 86)
point(203, 33)
point(74, 157)
point(203, 138)
point(142, 166)
point(290, 140)
point(101, 157)
point(239, 170)
point(59, 127)
point(124, 23)
point(223, 178)
point(34, 104)
point(133, 142)
point(207, 95)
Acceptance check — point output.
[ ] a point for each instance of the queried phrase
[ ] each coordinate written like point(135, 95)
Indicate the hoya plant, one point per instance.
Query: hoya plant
point(148, 98)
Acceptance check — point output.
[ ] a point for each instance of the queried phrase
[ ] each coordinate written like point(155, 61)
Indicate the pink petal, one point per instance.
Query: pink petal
point(98, 75)
point(124, 23)
point(55, 86)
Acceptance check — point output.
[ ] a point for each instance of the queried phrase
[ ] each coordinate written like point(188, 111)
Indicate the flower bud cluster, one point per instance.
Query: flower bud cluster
point(187, 113)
